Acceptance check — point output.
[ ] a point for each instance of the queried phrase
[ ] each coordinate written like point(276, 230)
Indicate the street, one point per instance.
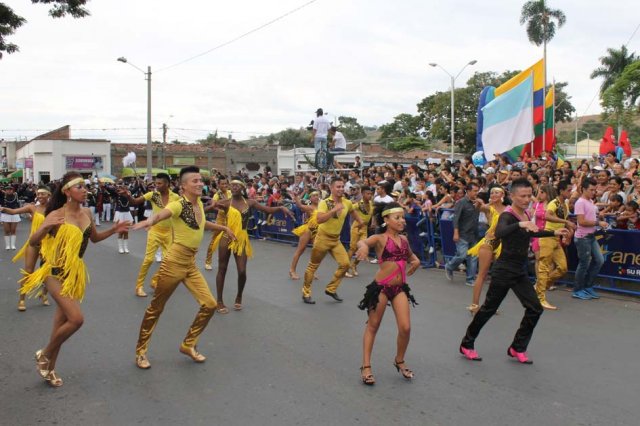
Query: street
point(282, 362)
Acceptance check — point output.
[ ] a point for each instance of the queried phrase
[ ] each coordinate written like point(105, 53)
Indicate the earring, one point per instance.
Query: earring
point(384, 224)
point(68, 199)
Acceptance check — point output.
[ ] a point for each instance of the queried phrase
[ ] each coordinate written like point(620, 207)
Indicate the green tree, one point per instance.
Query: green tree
point(350, 128)
point(564, 108)
point(612, 66)
point(541, 21)
point(403, 125)
point(291, 137)
point(10, 21)
point(213, 139)
point(621, 98)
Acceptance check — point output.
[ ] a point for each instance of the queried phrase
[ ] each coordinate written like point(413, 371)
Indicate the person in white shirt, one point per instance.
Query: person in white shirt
point(339, 145)
point(320, 132)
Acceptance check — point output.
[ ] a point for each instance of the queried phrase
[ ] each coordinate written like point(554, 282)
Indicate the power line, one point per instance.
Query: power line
point(226, 43)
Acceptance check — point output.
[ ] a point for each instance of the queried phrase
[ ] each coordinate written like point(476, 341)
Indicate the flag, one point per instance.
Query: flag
point(625, 143)
point(508, 119)
point(559, 160)
point(537, 70)
point(486, 96)
point(548, 127)
point(606, 144)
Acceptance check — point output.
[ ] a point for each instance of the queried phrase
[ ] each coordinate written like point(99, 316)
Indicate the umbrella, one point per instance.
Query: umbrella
point(106, 180)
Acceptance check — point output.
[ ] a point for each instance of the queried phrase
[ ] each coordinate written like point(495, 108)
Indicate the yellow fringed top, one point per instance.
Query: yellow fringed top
point(64, 261)
point(495, 244)
point(310, 225)
point(36, 221)
point(234, 222)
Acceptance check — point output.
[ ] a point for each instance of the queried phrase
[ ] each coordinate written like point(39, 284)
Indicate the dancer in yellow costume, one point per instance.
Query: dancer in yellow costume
point(364, 209)
point(160, 235)
point(305, 232)
point(238, 212)
point(179, 266)
point(488, 248)
point(223, 193)
point(332, 213)
point(27, 251)
point(70, 227)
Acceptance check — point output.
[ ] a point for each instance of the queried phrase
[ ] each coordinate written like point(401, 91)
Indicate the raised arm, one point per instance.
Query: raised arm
point(270, 210)
point(117, 227)
point(28, 208)
point(365, 245)
point(135, 201)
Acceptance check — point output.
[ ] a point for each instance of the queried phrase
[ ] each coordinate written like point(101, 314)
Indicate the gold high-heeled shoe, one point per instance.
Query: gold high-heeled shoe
point(42, 363)
point(22, 306)
point(473, 308)
point(45, 300)
point(193, 353)
point(53, 379)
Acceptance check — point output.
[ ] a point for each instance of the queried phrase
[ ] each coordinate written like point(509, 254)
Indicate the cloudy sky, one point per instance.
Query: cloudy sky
point(362, 58)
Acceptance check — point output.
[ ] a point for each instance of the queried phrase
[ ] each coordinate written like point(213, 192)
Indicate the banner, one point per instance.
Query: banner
point(621, 255)
point(84, 163)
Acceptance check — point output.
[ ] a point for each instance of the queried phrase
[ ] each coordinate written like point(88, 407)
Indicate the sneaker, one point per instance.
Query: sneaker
point(373, 261)
point(591, 292)
point(422, 234)
point(581, 294)
point(468, 284)
point(549, 306)
point(470, 354)
point(520, 356)
point(552, 288)
point(348, 275)
point(448, 273)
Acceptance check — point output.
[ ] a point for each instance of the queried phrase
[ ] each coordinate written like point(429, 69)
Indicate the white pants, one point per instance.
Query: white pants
point(106, 212)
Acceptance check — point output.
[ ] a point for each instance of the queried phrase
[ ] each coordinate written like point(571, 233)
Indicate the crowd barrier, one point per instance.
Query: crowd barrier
point(431, 239)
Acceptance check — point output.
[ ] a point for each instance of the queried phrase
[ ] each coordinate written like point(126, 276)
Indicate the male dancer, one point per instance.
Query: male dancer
point(179, 265)
point(223, 193)
point(332, 213)
point(159, 236)
point(551, 249)
point(515, 229)
point(364, 209)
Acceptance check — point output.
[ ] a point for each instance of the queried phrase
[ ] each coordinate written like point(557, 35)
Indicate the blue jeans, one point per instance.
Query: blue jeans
point(320, 143)
point(590, 261)
point(462, 247)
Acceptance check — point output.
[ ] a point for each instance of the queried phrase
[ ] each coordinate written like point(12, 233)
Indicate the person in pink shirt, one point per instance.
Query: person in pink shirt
point(590, 258)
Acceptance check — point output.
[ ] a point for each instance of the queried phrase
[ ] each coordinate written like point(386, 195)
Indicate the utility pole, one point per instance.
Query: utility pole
point(164, 142)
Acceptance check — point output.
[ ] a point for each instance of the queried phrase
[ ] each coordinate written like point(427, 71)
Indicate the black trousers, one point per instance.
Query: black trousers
point(498, 290)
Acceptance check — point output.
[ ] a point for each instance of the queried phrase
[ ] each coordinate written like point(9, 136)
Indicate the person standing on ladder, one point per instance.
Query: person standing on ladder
point(320, 132)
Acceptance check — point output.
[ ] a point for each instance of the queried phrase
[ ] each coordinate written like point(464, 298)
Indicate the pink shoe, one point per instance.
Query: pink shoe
point(470, 354)
point(520, 356)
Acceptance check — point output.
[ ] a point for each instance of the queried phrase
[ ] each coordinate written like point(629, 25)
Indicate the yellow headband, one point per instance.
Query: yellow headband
point(43, 191)
point(392, 211)
point(238, 182)
point(496, 188)
point(73, 182)
point(314, 193)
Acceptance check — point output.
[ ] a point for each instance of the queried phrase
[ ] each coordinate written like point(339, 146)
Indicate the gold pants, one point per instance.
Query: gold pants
point(178, 266)
point(156, 238)
point(323, 244)
point(209, 257)
point(551, 253)
point(358, 233)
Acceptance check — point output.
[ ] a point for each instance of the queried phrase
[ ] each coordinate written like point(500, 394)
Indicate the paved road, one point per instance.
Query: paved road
point(280, 362)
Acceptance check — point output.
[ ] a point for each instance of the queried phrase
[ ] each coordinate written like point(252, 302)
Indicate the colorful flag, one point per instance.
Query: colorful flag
point(508, 119)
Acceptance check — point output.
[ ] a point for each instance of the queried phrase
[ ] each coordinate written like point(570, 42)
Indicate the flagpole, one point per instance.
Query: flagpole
point(553, 114)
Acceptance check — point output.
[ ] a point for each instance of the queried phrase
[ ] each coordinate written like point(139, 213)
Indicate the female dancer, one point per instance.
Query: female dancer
point(64, 274)
point(30, 253)
point(539, 212)
point(389, 285)
point(488, 248)
point(306, 232)
point(238, 212)
point(10, 221)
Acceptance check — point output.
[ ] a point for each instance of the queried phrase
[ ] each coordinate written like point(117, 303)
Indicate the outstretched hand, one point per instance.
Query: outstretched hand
point(362, 253)
point(529, 226)
point(121, 227)
point(288, 212)
point(146, 224)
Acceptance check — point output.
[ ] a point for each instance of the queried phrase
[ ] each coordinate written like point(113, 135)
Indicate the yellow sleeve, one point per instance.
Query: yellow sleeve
point(216, 196)
point(173, 196)
point(322, 207)
point(148, 196)
point(553, 207)
point(348, 204)
point(175, 207)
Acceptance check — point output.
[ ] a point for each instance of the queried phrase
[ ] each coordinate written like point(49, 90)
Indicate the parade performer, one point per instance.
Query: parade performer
point(364, 209)
point(390, 285)
point(30, 253)
point(305, 232)
point(10, 221)
point(223, 193)
point(179, 265)
point(158, 237)
point(237, 211)
point(123, 214)
point(69, 227)
point(515, 230)
point(489, 247)
point(332, 213)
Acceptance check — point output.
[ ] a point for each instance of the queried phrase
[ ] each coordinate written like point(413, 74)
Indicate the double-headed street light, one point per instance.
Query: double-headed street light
point(147, 75)
point(453, 84)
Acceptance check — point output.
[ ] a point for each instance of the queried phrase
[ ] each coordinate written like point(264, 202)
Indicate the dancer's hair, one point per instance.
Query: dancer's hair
point(164, 176)
point(58, 199)
point(381, 208)
point(188, 169)
point(520, 183)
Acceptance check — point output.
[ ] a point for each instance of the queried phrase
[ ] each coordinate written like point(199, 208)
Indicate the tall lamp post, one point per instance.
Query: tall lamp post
point(453, 85)
point(147, 75)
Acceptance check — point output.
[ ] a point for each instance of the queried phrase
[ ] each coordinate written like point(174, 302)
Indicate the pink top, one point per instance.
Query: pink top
point(399, 255)
point(539, 214)
point(589, 210)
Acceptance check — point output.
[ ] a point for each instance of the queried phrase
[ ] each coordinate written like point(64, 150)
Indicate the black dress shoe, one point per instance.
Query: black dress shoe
point(308, 300)
point(333, 295)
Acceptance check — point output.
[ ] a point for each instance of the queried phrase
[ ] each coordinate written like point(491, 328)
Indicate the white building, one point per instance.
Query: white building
point(50, 156)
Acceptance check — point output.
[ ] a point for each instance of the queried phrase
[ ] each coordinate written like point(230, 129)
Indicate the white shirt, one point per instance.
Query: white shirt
point(321, 125)
point(386, 199)
point(339, 141)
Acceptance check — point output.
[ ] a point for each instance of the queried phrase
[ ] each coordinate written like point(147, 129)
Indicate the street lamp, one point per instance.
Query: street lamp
point(148, 78)
point(453, 84)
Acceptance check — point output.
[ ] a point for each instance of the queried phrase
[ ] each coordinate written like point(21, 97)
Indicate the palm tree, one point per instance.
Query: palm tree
point(540, 20)
point(612, 66)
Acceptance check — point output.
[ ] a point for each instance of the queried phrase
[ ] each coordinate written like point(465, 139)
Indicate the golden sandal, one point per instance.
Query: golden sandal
point(53, 379)
point(367, 379)
point(42, 363)
point(143, 362)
